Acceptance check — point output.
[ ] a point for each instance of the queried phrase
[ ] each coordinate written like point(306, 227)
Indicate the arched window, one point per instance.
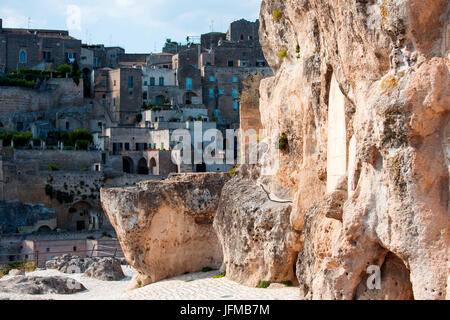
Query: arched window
point(22, 56)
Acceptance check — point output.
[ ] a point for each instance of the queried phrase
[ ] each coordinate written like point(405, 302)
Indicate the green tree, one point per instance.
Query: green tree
point(81, 144)
point(22, 139)
point(80, 134)
point(64, 68)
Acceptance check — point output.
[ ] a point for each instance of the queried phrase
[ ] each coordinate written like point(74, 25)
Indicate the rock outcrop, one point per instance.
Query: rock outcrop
point(106, 269)
point(361, 93)
point(165, 227)
point(70, 264)
point(254, 230)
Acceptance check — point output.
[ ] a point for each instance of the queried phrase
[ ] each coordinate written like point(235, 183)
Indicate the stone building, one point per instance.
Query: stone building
point(160, 60)
point(134, 60)
point(102, 57)
point(35, 48)
point(211, 73)
point(157, 82)
point(222, 88)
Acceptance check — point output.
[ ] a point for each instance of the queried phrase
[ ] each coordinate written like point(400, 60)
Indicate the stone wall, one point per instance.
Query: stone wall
point(57, 93)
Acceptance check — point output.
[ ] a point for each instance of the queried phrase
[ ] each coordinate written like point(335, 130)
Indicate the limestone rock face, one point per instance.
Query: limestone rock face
point(165, 227)
point(257, 239)
point(361, 92)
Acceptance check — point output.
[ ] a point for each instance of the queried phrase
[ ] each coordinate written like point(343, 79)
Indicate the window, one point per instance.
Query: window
point(234, 79)
point(113, 56)
point(74, 249)
point(23, 56)
point(100, 124)
point(161, 81)
point(220, 91)
point(47, 55)
point(104, 102)
point(95, 62)
point(211, 93)
point(230, 63)
point(152, 81)
point(103, 83)
point(47, 249)
point(188, 84)
point(67, 125)
point(145, 83)
point(217, 113)
point(211, 79)
point(235, 94)
point(235, 105)
point(127, 146)
point(114, 101)
point(71, 56)
point(115, 83)
point(130, 83)
point(145, 95)
point(242, 37)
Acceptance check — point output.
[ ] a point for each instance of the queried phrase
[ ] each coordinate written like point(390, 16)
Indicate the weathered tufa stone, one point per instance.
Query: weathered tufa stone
point(165, 227)
point(257, 240)
point(70, 264)
point(106, 269)
point(361, 92)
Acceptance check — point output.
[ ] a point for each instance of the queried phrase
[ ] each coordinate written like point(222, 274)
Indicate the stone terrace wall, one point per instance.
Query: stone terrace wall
point(58, 93)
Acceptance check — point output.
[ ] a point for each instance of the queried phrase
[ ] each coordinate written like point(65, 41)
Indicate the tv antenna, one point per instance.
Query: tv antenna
point(29, 22)
point(211, 26)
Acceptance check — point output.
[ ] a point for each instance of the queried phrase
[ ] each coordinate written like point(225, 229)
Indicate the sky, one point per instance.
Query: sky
point(138, 26)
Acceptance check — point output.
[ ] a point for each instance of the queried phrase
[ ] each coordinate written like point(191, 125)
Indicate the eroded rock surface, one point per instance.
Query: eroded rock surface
point(361, 92)
point(41, 285)
point(106, 269)
point(70, 264)
point(257, 239)
point(165, 227)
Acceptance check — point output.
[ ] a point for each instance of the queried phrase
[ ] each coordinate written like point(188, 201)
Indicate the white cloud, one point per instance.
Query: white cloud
point(73, 21)
point(12, 19)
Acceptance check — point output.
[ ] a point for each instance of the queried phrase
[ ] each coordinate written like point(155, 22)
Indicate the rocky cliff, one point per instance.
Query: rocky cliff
point(361, 93)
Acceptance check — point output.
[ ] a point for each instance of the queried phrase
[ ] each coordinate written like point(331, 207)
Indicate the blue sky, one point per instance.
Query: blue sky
point(136, 25)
